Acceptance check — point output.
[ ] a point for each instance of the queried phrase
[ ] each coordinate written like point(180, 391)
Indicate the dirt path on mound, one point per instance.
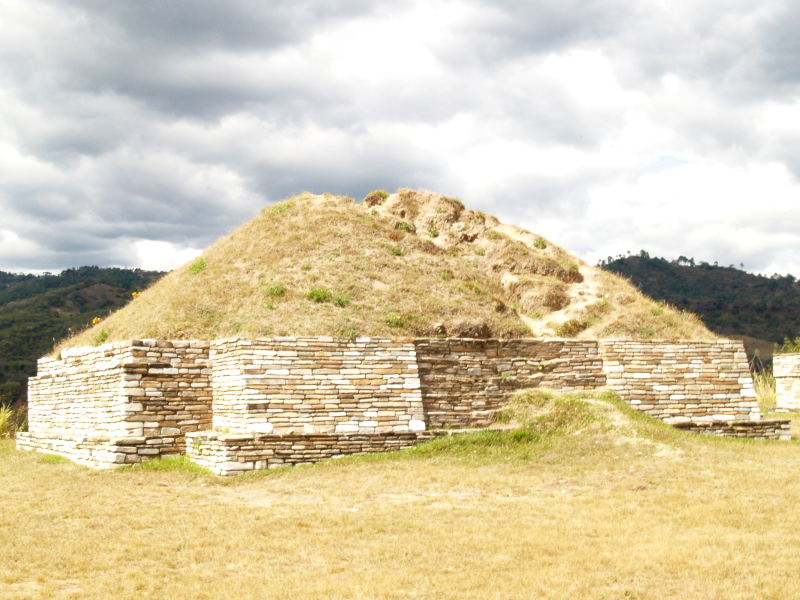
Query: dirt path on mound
point(580, 295)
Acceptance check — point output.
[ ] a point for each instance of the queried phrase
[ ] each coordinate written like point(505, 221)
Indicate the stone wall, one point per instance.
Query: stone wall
point(79, 394)
point(681, 382)
point(102, 452)
point(317, 385)
point(465, 381)
point(167, 388)
point(233, 454)
point(141, 395)
point(766, 429)
point(786, 368)
point(126, 402)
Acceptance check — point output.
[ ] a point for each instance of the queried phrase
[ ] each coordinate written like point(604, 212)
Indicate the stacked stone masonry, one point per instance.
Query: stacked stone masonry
point(766, 429)
point(270, 402)
point(131, 400)
point(682, 382)
point(465, 381)
point(786, 368)
point(102, 452)
point(319, 385)
point(231, 454)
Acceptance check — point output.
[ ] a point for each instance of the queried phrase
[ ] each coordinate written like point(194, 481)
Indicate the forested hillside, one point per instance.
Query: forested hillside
point(38, 311)
point(730, 301)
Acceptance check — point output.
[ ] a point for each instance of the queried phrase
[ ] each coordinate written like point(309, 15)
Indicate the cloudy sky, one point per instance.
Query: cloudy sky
point(135, 133)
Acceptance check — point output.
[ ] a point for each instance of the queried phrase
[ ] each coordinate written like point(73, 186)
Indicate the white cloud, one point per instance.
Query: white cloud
point(154, 255)
point(131, 137)
point(711, 211)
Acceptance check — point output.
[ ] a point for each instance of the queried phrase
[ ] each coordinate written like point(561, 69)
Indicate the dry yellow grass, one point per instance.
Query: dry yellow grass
point(394, 267)
point(616, 506)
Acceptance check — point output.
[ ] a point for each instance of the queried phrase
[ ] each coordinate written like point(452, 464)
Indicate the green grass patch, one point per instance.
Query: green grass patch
point(541, 416)
point(341, 300)
point(199, 265)
point(398, 321)
point(100, 337)
point(377, 195)
point(274, 289)
point(179, 464)
point(53, 459)
point(319, 295)
point(278, 208)
point(570, 328)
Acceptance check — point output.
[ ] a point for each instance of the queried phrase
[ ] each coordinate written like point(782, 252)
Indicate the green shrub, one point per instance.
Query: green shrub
point(570, 328)
point(474, 287)
point(433, 231)
point(274, 289)
point(319, 295)
point(398, 251)
point(480, 251)
point(348, 332)
point(11, 421)
point(278, 208)
point(540, 243)
point(403, 226)
point(788, 346)
point(100, 337)
point(396, 321)
point(341, 299)
point(197, 266)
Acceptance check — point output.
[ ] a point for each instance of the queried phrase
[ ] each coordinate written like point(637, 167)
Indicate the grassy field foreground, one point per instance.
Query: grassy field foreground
point(587, 500)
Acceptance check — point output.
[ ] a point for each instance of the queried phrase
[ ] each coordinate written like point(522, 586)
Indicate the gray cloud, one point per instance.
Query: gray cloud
point(175, 122)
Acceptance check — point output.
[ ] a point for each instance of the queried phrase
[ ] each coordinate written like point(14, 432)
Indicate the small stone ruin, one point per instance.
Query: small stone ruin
point(236, 405)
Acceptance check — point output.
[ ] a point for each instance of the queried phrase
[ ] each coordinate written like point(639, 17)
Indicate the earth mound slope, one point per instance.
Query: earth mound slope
point(396, 265)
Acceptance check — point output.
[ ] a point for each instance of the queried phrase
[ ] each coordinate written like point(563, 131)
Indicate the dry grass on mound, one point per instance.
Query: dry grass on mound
point(310, 267)
point(638, 317)
point(590, 502)
point(400, 265)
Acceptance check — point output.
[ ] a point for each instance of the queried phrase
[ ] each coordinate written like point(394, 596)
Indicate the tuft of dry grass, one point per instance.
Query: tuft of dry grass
point(12, 420)
point(764, 385)
point(344, 269)
point(595, 501)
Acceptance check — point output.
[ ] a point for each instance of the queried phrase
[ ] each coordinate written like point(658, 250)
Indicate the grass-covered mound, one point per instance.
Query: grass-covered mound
point(395, 265)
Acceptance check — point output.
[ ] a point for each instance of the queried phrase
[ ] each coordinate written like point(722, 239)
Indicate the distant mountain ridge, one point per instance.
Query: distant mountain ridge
point(730, 301)
point(36, 311)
